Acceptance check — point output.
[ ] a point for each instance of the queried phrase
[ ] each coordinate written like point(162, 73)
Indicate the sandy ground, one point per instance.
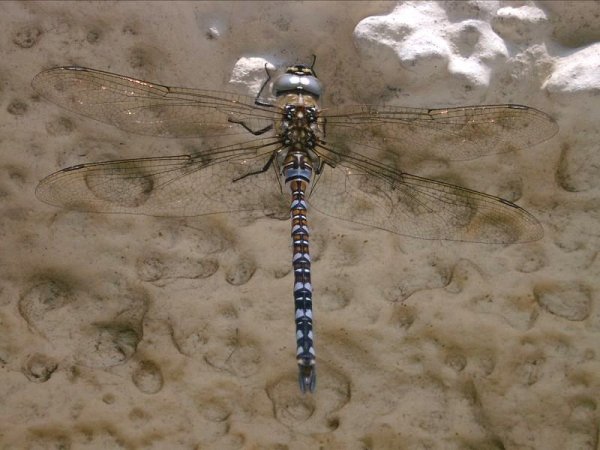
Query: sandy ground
point(136, 332)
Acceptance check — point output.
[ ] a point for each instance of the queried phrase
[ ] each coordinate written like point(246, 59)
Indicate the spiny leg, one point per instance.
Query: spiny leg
point(250, 130)
point(257, 100)
point(256, 172)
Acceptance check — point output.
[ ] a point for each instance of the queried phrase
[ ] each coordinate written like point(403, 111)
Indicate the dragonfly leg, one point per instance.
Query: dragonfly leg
point(257, 100)
point(250, 130)
point(312, 65)
point(256, 172)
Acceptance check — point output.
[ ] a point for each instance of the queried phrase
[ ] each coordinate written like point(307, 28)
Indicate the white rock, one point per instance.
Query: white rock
point(420, 38)
point(520, 24)
point(250, 73)
point(577, 73)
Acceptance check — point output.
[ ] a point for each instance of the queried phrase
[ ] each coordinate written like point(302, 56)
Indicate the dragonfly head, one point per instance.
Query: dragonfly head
point(297, 79)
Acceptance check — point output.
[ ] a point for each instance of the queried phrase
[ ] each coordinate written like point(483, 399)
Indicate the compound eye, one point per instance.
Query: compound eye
point(289, 82)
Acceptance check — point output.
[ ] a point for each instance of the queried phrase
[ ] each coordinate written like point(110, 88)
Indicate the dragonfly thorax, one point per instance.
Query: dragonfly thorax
point(299, 126)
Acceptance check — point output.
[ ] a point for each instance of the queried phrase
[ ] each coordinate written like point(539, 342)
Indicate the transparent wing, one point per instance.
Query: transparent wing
point(151, 109)
point(186, 185)
point(453, 133)
point(363, 191)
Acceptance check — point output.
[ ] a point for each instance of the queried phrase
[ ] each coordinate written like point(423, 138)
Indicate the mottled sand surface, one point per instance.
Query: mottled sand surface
point(134, 332)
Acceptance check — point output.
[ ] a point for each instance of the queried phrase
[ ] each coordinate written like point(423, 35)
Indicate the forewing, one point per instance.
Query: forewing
point(365, 192)
point(186, 185)
point(150, 109)
point(453, 133)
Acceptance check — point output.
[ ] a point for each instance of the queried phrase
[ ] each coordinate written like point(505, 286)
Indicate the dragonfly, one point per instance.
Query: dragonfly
point(342, 161)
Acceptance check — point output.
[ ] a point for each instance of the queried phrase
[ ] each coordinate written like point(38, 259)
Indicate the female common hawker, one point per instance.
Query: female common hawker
point(339, 159)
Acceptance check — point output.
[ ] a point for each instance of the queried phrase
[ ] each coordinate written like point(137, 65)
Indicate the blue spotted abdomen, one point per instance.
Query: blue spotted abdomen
point(297, 171)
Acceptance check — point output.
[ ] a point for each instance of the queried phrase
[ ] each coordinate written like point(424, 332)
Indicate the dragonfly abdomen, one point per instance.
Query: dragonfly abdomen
point(297, 171)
